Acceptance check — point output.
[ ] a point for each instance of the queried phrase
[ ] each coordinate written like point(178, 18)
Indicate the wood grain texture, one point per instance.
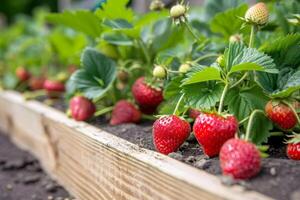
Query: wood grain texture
point(93, 164)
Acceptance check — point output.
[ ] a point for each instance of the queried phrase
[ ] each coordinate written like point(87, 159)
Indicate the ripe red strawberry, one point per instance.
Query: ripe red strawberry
point(194, 113)
point(36, 83)
point(81, 108)
point(146, 96)
point(240, 159)
point(293, 151)
point(22, 74)
point(125, 112)
point(212, 131)
point(169, 132)
point(54, 88)
point(281, 114)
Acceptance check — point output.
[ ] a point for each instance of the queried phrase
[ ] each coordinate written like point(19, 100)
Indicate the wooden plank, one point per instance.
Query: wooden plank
point(93, 164)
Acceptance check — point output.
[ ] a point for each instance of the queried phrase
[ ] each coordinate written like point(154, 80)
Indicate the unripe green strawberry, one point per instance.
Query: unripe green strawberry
point(257, 14)
point(178, 11)
point(235, 38)
point(157, 5)
point(159, 72)
point(184, 68)
point(221, 61)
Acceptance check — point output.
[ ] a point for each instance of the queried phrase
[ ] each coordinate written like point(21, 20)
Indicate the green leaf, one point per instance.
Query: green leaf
point(239, 57)
point(117, 39)
point(96, 76)
point(168, 106)
point(202, 74)
point(291, 85)
point(203, 95)
point(117, 24)
point(260, 130)
point(115, 9)
point(172, 88)
point(80, 20)
point(227, 23)
point(242, 101)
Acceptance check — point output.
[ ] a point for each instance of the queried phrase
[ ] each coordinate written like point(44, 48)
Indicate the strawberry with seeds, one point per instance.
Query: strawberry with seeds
point(54, 88)
point(293, 147)
point(147, 97)
point(81, 108)
point(22, 74)
point(212, 130)
point(125, 112)
point(281, 114)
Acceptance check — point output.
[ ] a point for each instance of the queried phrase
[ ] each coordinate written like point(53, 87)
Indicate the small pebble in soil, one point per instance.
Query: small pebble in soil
point(14, 164)
point(273, 171)
point(295, 195)
point(190, 159)
point(176, 156)
point(9, 187)
point(31, 179)
point(228, 180)
point(184, 146)
point(51, 187)
point(202, 163)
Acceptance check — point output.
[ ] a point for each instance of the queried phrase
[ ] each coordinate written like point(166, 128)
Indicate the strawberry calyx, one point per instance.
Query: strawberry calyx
point(294, 139)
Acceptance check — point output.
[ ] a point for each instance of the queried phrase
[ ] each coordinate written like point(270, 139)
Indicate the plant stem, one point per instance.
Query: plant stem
point(244, 120)
point(189, 28)
point(293, 109)
point(178, 103)
point(239, 81)
point(103, 111)
point(205, 56)
point(145, 51)
point(249, 126)
point(149, 117)
point(221, 104)
point(252, 36)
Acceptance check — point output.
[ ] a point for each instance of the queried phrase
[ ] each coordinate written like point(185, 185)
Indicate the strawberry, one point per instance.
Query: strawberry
point(125, 112)
point(281, 114)
point(22, 74)
point(212, 131)
point(159, 72)
point(293, 151)
point(293, 147)
point(169, 133)
point(146, 96)
point(54, 88)
point(36, 83)
point(194, 113)
point(257, 14)
point(81, 108)
point(240, 159)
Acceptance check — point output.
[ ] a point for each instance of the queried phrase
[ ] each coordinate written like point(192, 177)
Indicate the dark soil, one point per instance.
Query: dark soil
point(21, 176)
point(279, 177)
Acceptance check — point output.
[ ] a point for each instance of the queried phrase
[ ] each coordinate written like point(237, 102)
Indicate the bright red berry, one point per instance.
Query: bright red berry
point(281, 114)
point(240, 159)
point(212, 131)
point(22, 74)
point(293, 151)
point(81, 108)
point(125, 112)
point(36, 83)
point(54, 88)
point(169, 133)
point(146, 96)
point(194, 113)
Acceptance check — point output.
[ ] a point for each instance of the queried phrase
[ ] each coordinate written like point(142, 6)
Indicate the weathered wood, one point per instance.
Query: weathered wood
point(93, 164)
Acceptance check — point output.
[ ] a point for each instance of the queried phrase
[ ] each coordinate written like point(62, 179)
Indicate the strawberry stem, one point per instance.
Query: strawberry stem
point(250, 123)
point(178, 103)
point(252, 36)
point(293, 109)
point(103, 111)
point(244, 120)
point(221, 104)
point(145, 51)
point(189, 28)
point(148, 117)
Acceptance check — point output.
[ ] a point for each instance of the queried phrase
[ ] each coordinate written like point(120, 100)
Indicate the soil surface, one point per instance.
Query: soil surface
point(279, 177)
point(21, 176)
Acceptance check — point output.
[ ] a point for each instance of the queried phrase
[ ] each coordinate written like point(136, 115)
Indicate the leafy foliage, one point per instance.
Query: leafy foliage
point(80, 20)
point(260, 130)
point(227, 23)
point(96, 76)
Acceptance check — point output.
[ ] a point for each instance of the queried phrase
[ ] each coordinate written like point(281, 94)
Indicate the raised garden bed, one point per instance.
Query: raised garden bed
point(94, 164)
